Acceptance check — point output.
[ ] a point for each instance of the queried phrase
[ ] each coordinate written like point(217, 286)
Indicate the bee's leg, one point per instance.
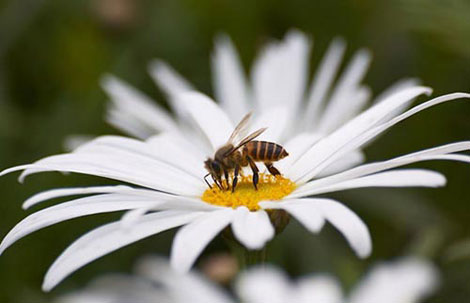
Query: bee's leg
point(217, 183)
point(254, 168)
point(207, 182)
point(226, 179)
point(272, 169)
point(235, 177)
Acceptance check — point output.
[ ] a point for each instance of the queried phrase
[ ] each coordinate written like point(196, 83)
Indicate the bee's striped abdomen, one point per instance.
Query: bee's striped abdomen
point(264, 151)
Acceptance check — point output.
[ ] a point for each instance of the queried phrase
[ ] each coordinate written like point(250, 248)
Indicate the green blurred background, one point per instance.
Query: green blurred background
point(53, 53)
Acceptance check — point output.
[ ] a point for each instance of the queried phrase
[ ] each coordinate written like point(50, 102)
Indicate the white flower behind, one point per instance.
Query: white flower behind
point(407, 280)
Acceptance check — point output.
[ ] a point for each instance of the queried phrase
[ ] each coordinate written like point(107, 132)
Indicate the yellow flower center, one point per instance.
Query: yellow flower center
point(269, 188)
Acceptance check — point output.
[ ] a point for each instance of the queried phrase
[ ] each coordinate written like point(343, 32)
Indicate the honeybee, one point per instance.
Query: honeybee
point(238, 153)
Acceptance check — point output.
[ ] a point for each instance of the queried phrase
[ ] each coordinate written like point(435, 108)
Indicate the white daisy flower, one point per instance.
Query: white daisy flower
point(408, 280)
point(171, 192)
point(167, 170)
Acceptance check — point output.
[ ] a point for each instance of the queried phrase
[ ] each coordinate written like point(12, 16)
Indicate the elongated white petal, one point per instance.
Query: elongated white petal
point(345, 99)
point(296, 147)
point(303, 211)
point(137, 105)
point(171, 83)
point(435, 153)
point(212, 120)
point(191, 240)
point(367, 136)
point(348, 223)
point(63, 192)
point(130, 168)
point(375, 131)
point(128, 124)
point(176, 143)
point(116, 288)
point(263, 284)
point(175, 149)
point(355, 101)
point(132, 216)
point(182, 287)
point(108, 238)
point(280, 73)
point(229, 80)
point(252, 229)
point(315, 158)
point(72, 209)
point(393, 89)
point(161, 150)
point(405, 280)
point(322, 82)
point(318, 288)
point(276, 127)
point(349, 160)
point(394, 178)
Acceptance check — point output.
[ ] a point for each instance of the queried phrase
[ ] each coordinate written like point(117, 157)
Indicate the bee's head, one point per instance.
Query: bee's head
point(213, 167)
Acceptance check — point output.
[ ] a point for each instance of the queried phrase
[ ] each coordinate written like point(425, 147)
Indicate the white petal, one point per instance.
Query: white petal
point(263, 284)
point(129, 168)
point(175, 151)
point(72, 209)
point(186, 287)
point(322, 82)
point(137, 105)
point(406, 280)
point(435, 153)
point(394, 178)
point(191, 240)
point(345, 99)
point(349, 160)
point(315, 159)
point(367, 136)
point(162, 149)
point(128, 124)
point(355, 102)
point(252, 229)
point(116, 288)
point(348, 223)
point(394, 88)
point(170, 82)
point(209, 116)
point(296, 147)
point(318, 289)
point(133, 216)
point(303, 211)
point(63, 192)
point(108, 238)
point(276, 120)
point(229, 80)
point(280, 73)
point(374, 132)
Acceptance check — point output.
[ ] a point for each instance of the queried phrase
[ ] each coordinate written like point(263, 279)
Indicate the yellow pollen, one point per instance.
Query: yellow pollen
point(269, 188)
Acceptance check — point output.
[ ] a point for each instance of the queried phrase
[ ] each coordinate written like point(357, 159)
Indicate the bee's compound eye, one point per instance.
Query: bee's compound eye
point(216, 167)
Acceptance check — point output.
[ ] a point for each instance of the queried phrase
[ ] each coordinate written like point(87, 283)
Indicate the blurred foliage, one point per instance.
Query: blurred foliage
point(53, 53)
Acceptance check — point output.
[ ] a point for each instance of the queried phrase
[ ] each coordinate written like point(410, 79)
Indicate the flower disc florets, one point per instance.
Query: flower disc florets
point(269, 188)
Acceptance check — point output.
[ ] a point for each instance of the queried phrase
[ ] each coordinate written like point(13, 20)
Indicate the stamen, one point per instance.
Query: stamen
point(269, 188)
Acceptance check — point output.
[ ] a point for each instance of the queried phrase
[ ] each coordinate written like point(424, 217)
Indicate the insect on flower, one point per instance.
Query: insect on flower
point(242, 152)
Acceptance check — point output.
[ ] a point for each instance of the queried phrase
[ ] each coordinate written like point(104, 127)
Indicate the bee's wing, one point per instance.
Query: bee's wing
point(240, 130)
point(247, 139)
